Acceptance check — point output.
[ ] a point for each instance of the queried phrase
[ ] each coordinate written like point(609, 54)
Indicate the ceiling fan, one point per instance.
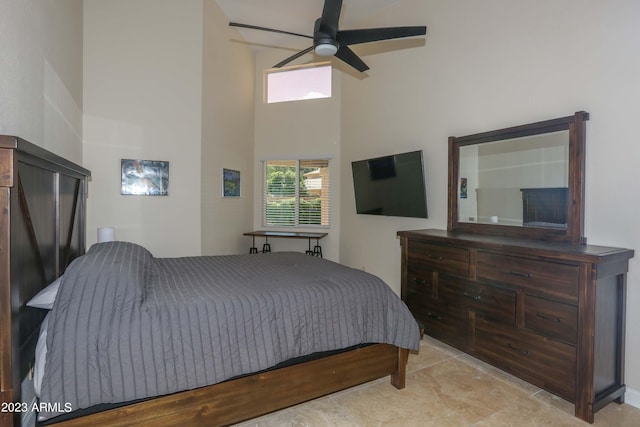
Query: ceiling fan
point(329, 41)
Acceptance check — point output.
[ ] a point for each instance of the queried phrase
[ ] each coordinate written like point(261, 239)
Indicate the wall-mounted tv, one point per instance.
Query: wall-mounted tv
point(391, 185)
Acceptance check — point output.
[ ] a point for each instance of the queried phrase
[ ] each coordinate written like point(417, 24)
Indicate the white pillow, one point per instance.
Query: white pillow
point(46, 297)
point(41, 356)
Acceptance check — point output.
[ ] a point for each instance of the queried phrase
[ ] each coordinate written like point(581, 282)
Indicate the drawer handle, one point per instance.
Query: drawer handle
point(437, 258)
point(420, 281)
point(545, 317)
point(473, 297)
point(519, 274)
point(434, 316)
point(524, 352)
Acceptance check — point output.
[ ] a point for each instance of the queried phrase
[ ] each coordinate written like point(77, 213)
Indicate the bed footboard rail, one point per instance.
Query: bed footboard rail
point(251, 396)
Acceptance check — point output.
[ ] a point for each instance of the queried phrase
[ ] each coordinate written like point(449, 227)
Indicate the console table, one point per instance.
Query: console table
point(266, 247)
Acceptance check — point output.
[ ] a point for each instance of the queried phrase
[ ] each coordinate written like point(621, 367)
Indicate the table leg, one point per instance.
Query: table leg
point(317, 249)
point(253, 249)
point(309, 251)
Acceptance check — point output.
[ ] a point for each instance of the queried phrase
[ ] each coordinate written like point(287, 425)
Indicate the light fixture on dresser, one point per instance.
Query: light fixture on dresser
point(512, 280)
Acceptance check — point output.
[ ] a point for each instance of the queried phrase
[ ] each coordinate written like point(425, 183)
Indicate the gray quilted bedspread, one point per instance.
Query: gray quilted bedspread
point(126, 325)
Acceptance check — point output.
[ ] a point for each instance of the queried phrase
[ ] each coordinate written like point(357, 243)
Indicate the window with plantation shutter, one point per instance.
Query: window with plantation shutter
point(296, 193)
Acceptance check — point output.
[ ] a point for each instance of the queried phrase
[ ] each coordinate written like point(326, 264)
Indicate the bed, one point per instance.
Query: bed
point(43, 205)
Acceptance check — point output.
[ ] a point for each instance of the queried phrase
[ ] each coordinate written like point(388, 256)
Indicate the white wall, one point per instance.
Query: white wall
point(297, 130)
point(488, 65)
point(484, 65)
point(227, 134)
point(143, 100)
point(41, 74)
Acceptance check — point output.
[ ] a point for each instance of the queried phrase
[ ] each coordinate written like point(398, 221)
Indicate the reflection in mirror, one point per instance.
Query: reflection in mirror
point(525, 181)
point(516, 182)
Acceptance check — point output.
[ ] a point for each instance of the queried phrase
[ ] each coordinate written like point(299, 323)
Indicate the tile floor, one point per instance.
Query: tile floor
point(444, 388)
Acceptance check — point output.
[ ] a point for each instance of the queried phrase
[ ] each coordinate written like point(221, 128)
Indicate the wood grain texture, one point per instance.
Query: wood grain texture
point(31, 244)
point(550, 313)
point(248, 397)
point(574, 233)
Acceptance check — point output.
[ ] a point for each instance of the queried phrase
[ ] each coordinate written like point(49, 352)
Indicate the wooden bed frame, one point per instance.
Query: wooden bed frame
point(42, 229)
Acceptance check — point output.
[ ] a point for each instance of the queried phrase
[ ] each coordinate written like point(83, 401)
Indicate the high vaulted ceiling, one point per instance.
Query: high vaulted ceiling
point(296, 16)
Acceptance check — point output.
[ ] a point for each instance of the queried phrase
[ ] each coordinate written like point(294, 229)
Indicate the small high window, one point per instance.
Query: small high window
point(298, 83)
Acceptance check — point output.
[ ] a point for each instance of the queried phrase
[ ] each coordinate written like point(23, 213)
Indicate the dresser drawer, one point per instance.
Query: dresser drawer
point(551, 318)
point(419, 288)
point(543, 277)
point(422, 283)
point(541, 361)
point(490, 301)
point(442, 321)
point(442, 258)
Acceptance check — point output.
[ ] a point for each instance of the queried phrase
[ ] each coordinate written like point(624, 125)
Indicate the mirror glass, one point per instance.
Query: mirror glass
point(525, 181)
point(503, 182)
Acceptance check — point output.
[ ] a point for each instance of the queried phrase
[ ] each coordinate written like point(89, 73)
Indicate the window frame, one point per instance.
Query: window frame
point(267, 72)
point(325, 208)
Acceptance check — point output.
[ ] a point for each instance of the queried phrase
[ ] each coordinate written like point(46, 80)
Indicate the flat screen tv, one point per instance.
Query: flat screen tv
point(391, 185)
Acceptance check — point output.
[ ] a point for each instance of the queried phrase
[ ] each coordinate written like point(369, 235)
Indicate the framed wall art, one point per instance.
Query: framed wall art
point(463, 188)
point(230, 183)
point(144, 177)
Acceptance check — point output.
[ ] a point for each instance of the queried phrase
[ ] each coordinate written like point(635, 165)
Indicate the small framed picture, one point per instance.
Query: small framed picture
point(463, 188)
point(230, 183)
point(144, 177)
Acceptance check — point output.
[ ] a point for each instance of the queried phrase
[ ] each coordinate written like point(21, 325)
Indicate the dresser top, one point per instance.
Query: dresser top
point(590, 253)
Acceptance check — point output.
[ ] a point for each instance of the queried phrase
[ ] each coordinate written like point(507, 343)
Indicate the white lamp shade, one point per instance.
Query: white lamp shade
point(106, 234)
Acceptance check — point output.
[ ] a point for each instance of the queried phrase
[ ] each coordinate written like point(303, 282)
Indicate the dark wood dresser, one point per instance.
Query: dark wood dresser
point(550, 313)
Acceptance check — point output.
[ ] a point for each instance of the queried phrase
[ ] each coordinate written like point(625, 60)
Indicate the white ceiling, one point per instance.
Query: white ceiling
point(296, 16)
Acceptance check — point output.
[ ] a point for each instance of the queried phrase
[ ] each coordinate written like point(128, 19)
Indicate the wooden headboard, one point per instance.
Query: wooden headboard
point(42, 229)
point(545, 207)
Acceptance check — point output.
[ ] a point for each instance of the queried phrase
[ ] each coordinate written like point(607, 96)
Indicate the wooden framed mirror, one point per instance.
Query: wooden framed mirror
point(525, 181)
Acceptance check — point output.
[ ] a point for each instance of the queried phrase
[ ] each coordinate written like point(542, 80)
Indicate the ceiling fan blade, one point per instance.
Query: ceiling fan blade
point(292, 57)
point(328, 23)
point(349, 37)
point(350, 57)
point(255, 27)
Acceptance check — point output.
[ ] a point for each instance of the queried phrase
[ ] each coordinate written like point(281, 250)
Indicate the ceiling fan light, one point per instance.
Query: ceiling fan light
point(326, 49)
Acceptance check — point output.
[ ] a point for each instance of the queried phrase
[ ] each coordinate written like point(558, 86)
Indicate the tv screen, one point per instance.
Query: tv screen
point(391, 185)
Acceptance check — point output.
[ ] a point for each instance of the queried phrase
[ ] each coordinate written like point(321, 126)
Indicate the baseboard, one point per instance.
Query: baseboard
point(632, 397)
